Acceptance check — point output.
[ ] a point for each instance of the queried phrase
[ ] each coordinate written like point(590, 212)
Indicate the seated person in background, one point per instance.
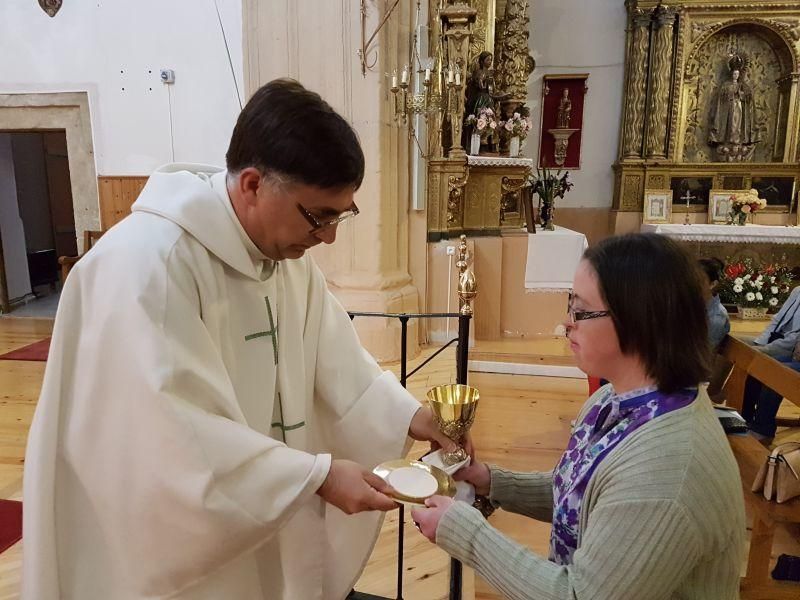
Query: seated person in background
point(761, 403)
point(779, 338)
point(646, 500)
point(719, 324)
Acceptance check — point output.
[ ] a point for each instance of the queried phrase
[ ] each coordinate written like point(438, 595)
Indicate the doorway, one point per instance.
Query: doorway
point(36, 217)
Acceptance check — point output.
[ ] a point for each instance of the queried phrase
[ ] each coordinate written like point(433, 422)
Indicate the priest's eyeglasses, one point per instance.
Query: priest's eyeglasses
point(583, 315)
point(317, 225)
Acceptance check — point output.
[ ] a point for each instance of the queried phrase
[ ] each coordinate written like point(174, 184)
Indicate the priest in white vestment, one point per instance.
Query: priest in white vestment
point(206, 399)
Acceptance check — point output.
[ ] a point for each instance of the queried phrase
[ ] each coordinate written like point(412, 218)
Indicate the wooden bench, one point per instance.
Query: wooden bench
point(67, 262)
point(750, 455)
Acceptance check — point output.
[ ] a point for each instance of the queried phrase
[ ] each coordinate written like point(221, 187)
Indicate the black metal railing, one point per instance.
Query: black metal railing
point(462, 362)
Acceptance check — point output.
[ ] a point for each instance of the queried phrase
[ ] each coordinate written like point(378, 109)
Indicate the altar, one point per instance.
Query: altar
point(766, 243)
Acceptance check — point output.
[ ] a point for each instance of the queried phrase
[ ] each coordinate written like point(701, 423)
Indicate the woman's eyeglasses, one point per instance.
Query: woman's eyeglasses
point(317, 225)
point(583, 315)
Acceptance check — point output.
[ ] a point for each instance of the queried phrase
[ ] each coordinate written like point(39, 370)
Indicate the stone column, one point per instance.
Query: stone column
point(457, 19)
point(367, 267)
point(660, 80)
point(633, 130)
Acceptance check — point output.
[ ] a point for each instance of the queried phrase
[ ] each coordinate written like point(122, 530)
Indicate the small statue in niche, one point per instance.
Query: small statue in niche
point(480, 85)
point(731, 131)
point(480, 95)
point(564, 110)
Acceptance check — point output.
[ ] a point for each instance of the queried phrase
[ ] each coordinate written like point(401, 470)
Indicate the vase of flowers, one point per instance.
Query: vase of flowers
point(516, 129)
point(744, 204)
point(754, 289)
point(548, 187)
point(483, 125)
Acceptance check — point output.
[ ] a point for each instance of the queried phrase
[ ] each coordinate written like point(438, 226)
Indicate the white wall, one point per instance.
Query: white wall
point(114, 49)
point(583, 36)
point(11, 228)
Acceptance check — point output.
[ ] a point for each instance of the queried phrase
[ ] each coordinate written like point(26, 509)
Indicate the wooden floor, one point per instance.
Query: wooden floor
point(522, 423)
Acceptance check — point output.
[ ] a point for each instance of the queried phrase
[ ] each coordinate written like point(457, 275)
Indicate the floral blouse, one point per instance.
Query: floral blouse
point(612, 419)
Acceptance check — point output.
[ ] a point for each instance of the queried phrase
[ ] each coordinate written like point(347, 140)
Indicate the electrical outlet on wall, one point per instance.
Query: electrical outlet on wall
point(167, 76)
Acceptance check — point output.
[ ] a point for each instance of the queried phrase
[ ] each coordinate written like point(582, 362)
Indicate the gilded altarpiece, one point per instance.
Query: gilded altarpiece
point(484, 196)
point(723, 77)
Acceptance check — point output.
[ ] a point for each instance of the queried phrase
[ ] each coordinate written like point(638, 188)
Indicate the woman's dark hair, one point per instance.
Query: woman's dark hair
point(712, 267)
point(653, 289)
point(288, 130)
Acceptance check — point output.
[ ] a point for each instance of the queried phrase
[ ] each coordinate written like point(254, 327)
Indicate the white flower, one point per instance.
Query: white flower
point(750, 296)
point(759, 278)
point(738, 281)
point(759, 284)
point(772, 280)
point(759, 296)
point(738, 289)
point(773, 289)
point(747, 276)
point(481, 123)
point(773, 302)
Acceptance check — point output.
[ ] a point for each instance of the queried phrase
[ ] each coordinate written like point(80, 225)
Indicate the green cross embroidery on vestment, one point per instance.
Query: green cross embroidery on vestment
point(281, 426)
point(273, 331)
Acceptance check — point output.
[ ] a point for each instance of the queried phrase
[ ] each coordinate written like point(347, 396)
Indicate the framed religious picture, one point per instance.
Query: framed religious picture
point(719, 205)
point(561, 120)
point(657, 206)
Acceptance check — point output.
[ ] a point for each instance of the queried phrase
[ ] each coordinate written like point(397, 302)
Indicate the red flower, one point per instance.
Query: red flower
point(734, 270)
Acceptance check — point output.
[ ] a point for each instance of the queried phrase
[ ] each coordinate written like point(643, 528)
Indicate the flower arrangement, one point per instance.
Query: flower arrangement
point(743, 204)
point(748, 285)
point(484, 123)
point(548, 187)
point(516, 126)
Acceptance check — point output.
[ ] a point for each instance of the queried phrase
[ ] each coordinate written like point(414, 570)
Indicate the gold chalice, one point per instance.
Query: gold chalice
point(454, 408)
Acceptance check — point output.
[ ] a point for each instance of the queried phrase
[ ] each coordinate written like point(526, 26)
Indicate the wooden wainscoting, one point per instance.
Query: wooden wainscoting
point(117, 194)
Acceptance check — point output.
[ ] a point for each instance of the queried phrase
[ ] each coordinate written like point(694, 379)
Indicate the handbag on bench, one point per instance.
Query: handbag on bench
point(780, 474)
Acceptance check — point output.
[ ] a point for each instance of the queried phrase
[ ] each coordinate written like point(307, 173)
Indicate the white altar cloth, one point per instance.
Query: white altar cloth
point(553, 257)
point(749, 234)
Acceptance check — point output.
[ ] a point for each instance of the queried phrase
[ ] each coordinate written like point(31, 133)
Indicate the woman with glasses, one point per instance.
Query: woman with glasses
point(646, 501)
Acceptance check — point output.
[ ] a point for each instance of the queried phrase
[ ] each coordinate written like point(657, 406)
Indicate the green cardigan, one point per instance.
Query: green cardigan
point(663, 517)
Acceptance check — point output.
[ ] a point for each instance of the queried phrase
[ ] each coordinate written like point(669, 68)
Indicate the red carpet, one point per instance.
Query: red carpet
point(10, 523)
point(36, 351)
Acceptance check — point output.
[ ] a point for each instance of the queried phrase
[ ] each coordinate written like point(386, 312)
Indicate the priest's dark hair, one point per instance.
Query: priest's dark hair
point(653, 290)
point(291, 132)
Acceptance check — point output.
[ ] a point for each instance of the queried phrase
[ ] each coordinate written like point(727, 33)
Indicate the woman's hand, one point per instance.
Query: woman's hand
point(427, 519)
point(477, 473)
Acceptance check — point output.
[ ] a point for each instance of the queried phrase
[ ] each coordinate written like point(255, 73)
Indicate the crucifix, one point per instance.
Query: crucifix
point(688, 197)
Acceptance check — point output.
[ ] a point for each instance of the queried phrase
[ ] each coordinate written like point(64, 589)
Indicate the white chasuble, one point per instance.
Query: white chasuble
point(194, 396)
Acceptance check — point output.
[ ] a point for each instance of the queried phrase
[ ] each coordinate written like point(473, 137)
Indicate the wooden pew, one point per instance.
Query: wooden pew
point(67, 262)
point(750, 455)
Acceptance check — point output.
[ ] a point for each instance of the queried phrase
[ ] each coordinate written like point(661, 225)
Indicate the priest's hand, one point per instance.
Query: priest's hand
point(353, 489)
point(424, 428)
point(477, 473)
point(427, 519)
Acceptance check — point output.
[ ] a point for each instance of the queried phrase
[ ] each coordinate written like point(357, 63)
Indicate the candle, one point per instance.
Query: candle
point(458, 78)
point(427, 74)
point(404, 77)
point(394, 78)
point(449, 75)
